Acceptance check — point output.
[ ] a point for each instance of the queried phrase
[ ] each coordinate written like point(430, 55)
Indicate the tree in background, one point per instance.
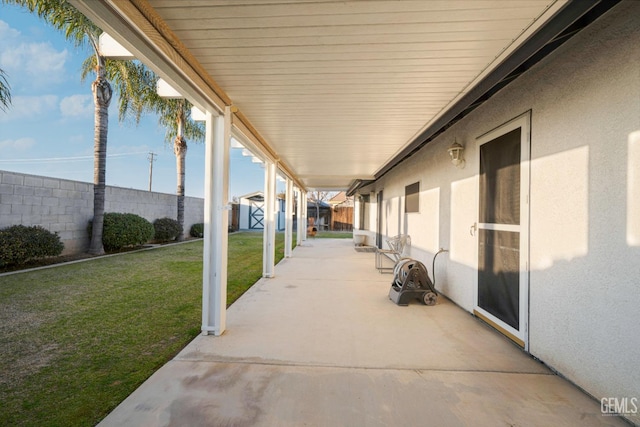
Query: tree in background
point(136, 88)
point(77, 28)
point(317, 197)
point(134, 83)
point(5, 91)
point(175, 116)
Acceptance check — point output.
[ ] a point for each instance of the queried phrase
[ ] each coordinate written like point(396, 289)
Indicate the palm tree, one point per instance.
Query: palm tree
point(133, 83)
point(136, 87)
point(5, 91)
point(76, 27)
point(175, 116)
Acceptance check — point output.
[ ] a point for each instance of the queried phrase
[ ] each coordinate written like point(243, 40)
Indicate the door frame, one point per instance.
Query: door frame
point(379, 202)
point(520, 337)
point(256, 216)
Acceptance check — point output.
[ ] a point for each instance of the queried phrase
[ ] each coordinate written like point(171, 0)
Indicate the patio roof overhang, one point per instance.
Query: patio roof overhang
point(339, 93)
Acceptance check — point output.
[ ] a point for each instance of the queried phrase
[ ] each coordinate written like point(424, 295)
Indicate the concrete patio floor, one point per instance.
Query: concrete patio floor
point(322, 345)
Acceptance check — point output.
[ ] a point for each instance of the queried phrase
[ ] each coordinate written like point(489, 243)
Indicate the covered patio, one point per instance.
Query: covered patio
point(389, 101)
point(327, 96)
point(320, 344)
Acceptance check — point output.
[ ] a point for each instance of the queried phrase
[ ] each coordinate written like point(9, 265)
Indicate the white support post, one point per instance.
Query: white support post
point(216, 223)
point(356, 214)
point(299, 218)
point(288, 227)
point(269, 240)
point(305, 222)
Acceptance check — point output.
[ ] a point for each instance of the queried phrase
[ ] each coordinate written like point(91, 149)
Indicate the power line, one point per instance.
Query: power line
point(66, 159)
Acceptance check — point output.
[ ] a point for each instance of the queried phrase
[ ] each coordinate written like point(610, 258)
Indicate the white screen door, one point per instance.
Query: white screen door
point(502, 291)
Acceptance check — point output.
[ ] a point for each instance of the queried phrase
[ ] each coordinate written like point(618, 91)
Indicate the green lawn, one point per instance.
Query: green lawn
point(76, 339)
point(334, 235)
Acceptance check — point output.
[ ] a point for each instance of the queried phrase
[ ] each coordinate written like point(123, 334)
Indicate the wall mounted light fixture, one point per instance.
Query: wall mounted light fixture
point(455, 152)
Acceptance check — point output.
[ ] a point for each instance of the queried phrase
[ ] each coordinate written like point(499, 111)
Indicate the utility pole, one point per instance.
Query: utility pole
point(152, 158)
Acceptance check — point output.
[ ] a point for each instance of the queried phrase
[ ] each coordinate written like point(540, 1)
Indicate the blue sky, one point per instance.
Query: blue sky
point(48, 130)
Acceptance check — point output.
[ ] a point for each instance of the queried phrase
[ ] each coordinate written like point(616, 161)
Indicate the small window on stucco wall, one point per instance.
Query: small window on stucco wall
point(412, 198)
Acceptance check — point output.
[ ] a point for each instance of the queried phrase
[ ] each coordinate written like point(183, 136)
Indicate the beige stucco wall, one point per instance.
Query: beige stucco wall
point(584, 204)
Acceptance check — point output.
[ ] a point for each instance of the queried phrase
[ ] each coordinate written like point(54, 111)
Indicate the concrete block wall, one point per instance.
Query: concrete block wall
point(65, 206)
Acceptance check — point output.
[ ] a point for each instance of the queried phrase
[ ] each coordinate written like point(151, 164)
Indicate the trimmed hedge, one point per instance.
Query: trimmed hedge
point(166, 229)
point(19, 244)
point(121, 230)
point(197, 230)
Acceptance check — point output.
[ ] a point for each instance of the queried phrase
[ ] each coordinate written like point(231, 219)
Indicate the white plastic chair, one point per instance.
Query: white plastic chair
point(397, 246)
